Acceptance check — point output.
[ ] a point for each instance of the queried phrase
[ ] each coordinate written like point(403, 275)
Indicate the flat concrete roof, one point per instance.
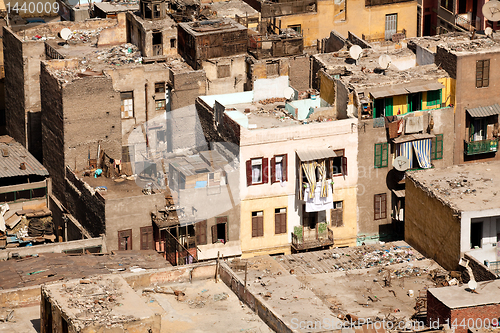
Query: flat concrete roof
point(118, 187)
point(109, 7)
point(217, 26)
point(232, 8)
point(84, 304)
point(321, 285)
point(206, 306)
point(459, 43)
point(454, 297)
point(466, 187)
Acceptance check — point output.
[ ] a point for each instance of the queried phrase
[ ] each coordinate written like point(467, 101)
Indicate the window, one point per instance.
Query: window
point(256, 170)
point(257, 224)
point(337, 214)
point(147, 242)
point(160, 105)
point(127, 99)
point(201, 232)
point(478, 129)
point(279, 168)
point(173, 43)
point(482, 73)
point(448, 4)
point(383, 107)
point(381, 155)
point(338, 164)
point(415, 102)
point(156, 11)
point(125, 240)
point(280, 221)
point(437, 147)
point(272, 68)
point(159, 87)
point(476, 234)
point(296, 27)
point(223, 71)
point(380, 206)
point(219, 230)
point(434, 97)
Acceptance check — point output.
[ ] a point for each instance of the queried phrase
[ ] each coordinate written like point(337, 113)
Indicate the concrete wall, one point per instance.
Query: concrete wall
point(371, 181)
point(231, 84)
point(130, 212)
point(263, 310)
point(141, 35)
point(116, 34)
point(359, 19)
point(438, 241)
point(424, 56)
point(187, 86)
point(300, 72)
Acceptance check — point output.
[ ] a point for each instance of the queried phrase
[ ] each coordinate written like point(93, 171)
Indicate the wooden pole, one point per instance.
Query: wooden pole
point(217, 267)
point(246, 270)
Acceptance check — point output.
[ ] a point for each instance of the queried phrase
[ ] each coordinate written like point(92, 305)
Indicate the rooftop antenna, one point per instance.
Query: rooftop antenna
point(491, 10)
point(65, 34)
point(355, 52)
point(384, 62)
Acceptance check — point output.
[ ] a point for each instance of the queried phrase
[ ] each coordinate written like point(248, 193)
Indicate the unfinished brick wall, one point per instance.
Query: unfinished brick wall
point(229, 131)
point(447, 60)
point(85, 204)
point(300, 72)
point(462, 318)
point(187, 86)
point(53, 131)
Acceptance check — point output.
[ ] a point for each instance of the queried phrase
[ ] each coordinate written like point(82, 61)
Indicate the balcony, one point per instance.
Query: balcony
point(304, 238)
point(465, 21)
point(481, 147)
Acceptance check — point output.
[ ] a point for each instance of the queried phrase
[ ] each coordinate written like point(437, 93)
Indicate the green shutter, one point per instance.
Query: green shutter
point(437, 147)
point(381, 155)
point(388, 106)
point(434, 97)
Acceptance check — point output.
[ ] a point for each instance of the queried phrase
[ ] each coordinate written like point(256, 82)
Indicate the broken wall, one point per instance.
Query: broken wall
point(187, 86)
point(114, 35)
point(85, 204)
point(300, 72)
point(225, 75)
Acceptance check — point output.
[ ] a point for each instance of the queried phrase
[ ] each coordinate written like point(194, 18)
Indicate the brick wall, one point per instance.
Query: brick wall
point(447, 61)
point(436, 311)
point(480, 271)
point(466, 317)
point(186, 87)
point(300, 72)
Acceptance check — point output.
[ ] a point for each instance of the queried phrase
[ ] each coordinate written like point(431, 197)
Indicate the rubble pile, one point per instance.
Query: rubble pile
point(84, 36)
point(473, 45)
point(272, 100)
point(95, 299)
point(120, 55)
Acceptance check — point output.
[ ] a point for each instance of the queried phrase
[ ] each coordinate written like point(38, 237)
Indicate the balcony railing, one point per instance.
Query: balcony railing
point(481, 147)
point(304, 238)
point(465, 21)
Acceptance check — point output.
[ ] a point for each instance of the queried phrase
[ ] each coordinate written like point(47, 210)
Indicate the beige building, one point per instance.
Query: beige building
point(282, 160)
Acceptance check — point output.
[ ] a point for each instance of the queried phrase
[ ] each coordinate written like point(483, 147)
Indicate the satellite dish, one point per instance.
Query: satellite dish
point(288, 93)
point(65, 33)
point(384, 61)
point(401, 163)
point(355, 51)
point(488, 31)
point(472, 285)
point(491, 10)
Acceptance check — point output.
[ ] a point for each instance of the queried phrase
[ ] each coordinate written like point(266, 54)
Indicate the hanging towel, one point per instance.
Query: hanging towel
point(414, 124)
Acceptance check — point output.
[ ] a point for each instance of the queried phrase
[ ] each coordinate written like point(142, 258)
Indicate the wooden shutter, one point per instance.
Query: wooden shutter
point(254, 226)
point(285, 167)
point(337, 217)
point(147, 238)
point(378, 155)
point(201, 232)
point(125, 240)
point(279, 222)
point(273, 170)
point(344, 165)
point(388, 106)
point(265, 171)
point(214, 233)
point(486, 73)
point(249, 172)
point(380, 206)
point(439, 146)
point(384, 156)
point(260, 223)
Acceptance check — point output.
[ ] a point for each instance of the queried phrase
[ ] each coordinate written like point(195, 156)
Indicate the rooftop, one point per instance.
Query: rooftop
point(459, 43)
point(232, 8)
point(207, 161)
point(47, 267)
point(368, 73)
point(487, 292)
point(117, 7)
point(15, 160)
point(466, 187)
point(200, 28)
point(343, 281)
point(117, 188)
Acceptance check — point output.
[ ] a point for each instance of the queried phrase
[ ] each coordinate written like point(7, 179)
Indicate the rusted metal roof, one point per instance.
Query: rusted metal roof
point(15, 160)
point(394, 90)
point(484, 111)
point(315, 154)
point(423, 86)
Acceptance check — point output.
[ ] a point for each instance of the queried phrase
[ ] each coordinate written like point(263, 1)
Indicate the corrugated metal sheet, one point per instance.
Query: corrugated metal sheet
point(413, 137)
point(10, 165)
point(315, 154)
point(423, 86)
point(484, 111)
point(388, 91)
